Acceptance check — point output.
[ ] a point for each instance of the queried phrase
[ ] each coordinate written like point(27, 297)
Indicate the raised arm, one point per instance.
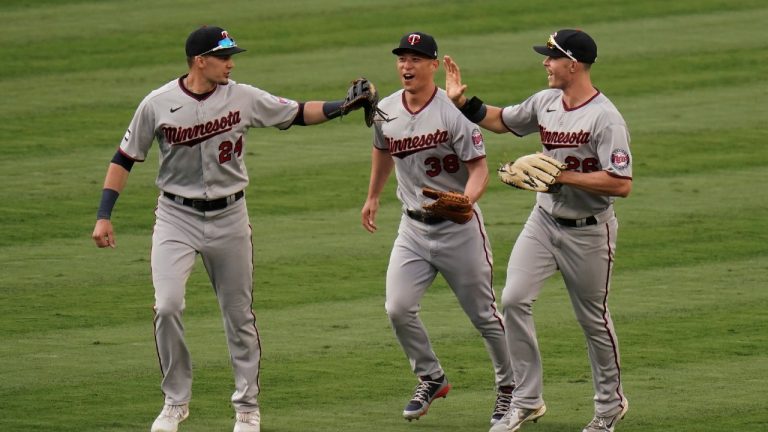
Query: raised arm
point(487, 116)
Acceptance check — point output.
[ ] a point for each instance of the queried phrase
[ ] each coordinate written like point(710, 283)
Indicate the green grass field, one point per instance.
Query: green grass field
point(689, 291)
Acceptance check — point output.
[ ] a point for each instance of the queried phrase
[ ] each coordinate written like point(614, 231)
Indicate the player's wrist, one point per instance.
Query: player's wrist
point(474, 109)
point(108, 200)
point(332, 109)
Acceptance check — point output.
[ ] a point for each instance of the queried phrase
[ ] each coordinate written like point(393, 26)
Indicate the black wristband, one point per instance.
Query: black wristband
point(474, 109)
point(332, 109)
point(108, 200)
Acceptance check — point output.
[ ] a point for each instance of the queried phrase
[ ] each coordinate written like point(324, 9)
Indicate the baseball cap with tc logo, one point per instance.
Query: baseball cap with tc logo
point(418, 42)
point(213, 41)
point(574, 44)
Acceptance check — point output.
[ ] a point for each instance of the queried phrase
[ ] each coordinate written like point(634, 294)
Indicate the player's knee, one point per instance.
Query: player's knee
point(165, 307)
point(399, 313)
point(516, 299)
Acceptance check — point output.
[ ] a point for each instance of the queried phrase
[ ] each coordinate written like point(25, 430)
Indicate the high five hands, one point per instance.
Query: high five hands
point(453, 86)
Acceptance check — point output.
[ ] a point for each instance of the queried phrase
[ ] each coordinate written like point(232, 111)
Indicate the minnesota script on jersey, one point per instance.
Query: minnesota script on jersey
point(202, 137)
point(587, 138)
point(429, 147)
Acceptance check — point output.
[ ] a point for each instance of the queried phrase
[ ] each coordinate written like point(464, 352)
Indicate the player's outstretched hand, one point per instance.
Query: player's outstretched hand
point(453, 86)
point(362, 94)
point(103, 234)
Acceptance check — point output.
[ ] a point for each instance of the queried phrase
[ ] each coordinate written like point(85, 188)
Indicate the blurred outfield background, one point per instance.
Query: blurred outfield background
point(689, 297)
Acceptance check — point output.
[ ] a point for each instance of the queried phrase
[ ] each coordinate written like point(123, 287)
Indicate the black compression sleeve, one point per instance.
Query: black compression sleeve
point(108, 200)
point(332, 109)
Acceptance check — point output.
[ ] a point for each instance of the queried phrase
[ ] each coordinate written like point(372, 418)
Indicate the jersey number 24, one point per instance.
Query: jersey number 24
point(227, 150)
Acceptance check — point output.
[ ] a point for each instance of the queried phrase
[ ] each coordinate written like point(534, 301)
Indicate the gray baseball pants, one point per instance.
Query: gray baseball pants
point(223, 240)
point(462, 254)
point(584, 256)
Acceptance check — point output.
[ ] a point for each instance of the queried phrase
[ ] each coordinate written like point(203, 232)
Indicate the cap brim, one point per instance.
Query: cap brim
point(227, 52)
point(544, 50)
point(398, 51)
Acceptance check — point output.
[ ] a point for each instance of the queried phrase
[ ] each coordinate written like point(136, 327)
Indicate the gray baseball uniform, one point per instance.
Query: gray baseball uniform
point(573, 231)
point(430, 148)
point(200, 211)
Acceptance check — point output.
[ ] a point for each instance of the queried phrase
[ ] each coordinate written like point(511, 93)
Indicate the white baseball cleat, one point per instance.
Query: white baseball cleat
point(170, 417)
point(606, 424)
point(516, 417)
point(248, 421)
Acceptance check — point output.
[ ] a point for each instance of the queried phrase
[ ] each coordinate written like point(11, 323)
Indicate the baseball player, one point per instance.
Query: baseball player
point(430, 144)
point(572, 229)
point(200, 121)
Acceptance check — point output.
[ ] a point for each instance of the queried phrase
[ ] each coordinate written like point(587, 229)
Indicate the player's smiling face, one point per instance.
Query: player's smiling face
point(559, 72)
point(416, 72)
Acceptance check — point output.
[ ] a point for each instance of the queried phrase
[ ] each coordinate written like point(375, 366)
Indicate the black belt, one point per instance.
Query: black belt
point(590, 220)
point(423, 217)
point(204, 205)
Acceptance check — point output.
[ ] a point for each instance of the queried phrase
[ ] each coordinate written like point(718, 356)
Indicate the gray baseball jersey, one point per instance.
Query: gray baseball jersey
point(587, 138)
point(202, 143)
point(430, 148)
point(573, 231)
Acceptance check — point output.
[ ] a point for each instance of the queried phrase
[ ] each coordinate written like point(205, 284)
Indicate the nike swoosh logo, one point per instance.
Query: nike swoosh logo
point(548, 110)
point(173, 110)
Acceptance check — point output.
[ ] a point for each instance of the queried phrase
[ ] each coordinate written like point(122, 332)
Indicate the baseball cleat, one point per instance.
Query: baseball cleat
point(425, 393)
point(606, 424)
point(516, 417)
point(503, 400)
point(170, 417)
point(248, 421)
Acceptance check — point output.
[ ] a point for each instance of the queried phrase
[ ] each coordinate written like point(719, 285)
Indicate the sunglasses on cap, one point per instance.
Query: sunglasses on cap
point(552, 44)
point(225, 43)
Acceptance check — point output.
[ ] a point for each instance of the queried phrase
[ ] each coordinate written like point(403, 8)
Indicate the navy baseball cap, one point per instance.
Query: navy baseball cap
point(574, 44)
point(419, 43)
point(214, 41)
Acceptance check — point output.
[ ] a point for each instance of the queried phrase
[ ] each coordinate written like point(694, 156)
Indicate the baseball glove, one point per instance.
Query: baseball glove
point(535, 172)
point(362, 94)
point(450, 205)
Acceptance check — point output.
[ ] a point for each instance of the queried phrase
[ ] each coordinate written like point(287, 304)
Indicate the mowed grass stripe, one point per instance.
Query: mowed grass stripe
point(640, 302)
point(478, 53)
point(261, 25)
point(323, 377)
